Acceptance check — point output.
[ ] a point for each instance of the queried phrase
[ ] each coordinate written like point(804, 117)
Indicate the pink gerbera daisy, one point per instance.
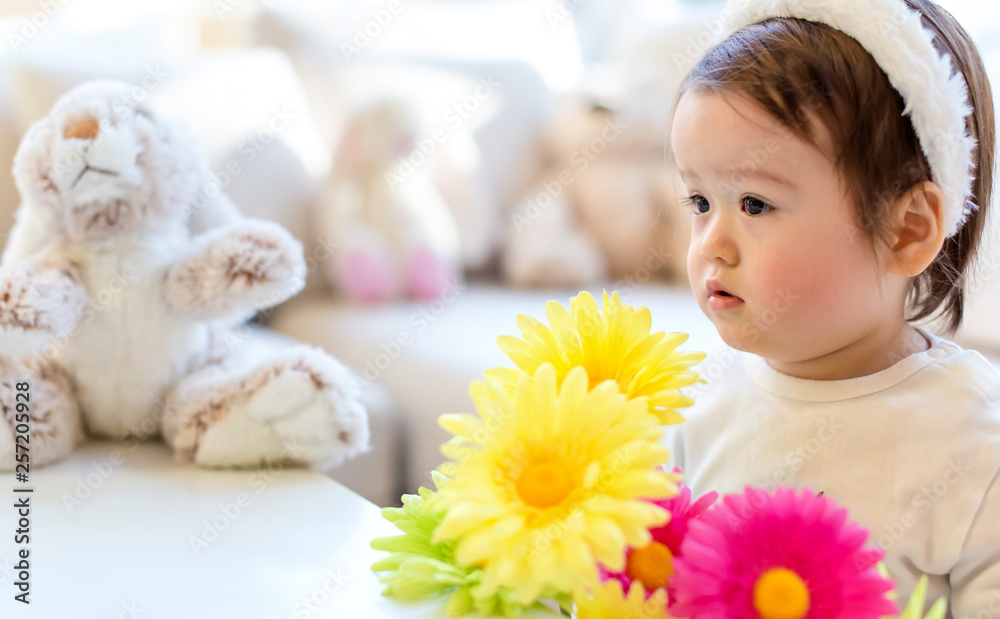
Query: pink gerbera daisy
point(778, 556)
point(653, 564)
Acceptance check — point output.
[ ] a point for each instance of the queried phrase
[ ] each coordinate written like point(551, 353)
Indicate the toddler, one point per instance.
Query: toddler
point(837, 156)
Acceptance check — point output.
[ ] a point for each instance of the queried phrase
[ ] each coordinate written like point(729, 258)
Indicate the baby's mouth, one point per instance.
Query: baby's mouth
point(721, 300)
point(724, 294)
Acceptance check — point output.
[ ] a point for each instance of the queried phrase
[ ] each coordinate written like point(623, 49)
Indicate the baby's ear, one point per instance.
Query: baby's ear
point(918, 229)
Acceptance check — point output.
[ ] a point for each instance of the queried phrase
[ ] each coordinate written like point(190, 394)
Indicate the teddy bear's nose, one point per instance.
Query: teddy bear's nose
point(84, 130)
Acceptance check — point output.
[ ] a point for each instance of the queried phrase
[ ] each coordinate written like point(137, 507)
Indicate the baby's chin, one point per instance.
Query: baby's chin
point(740, 341)
point(751, 336)
point(732, 327)
point(774, 345)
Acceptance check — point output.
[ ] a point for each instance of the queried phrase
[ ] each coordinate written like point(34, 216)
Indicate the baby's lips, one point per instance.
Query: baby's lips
point(714, 287)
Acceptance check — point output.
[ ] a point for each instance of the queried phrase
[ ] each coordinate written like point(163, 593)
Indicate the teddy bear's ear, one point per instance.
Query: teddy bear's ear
point(34, 218)
point(33, 161)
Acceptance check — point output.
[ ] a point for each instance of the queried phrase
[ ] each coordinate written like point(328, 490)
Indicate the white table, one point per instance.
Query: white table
point(291, 543)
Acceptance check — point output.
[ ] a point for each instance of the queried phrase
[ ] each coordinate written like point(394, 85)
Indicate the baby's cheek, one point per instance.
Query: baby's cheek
point(694, 264)
point(813, 286)
point(801, 292)
point(786, 289)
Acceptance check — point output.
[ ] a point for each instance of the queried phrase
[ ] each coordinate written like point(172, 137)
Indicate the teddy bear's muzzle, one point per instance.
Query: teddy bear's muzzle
point(85, 130)
point(96, 162)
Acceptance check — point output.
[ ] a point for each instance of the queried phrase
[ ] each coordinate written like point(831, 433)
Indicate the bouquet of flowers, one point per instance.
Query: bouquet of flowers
point(554, 498)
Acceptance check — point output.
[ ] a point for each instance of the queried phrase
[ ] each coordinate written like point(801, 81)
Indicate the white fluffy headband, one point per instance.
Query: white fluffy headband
point(936, 100)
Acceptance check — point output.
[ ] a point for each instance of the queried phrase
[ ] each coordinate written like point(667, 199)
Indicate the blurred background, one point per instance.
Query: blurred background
point(447, 164)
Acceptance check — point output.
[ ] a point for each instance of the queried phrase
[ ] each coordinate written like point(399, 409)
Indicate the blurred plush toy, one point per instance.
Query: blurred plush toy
point(602, 205)
point(393, 230)
point(124, 271)
point(604, 202)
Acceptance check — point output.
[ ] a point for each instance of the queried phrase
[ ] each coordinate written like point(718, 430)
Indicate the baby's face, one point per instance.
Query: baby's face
point(774, 228)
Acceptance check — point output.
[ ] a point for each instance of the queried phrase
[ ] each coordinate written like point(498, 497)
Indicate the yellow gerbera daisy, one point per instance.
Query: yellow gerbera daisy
point(608, 601)
point(615, 345)
point(548, 480)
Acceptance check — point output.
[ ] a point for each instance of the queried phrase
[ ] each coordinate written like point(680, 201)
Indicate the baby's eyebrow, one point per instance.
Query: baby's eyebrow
point(761, 174)
point(738, 171)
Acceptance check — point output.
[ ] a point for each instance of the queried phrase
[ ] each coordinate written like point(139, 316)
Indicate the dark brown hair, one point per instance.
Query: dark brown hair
point(799, 70)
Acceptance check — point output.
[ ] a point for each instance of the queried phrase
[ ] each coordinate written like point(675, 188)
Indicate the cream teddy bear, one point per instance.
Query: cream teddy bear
point(123, 276)
point(603, 203)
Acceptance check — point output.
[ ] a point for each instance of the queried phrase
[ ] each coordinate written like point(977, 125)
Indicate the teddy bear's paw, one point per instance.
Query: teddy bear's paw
point(254, 264)
point(309, 399)
point(258, 255)
point(199, 423)
point(300, 406)
point(38, 307)
point(36, 401)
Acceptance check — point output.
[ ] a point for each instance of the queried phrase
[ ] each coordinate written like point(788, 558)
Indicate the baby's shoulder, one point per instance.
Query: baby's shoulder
point(965, 374)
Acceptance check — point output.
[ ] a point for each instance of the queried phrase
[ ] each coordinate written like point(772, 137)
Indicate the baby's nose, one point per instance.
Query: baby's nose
point(84, 130)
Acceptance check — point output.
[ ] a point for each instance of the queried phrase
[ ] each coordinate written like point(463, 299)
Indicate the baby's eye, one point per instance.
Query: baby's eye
point(753, 206)
point(700, 203)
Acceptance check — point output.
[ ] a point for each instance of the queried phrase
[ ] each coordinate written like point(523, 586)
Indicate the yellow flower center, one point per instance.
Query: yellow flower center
point(544, 484)
point(651, 565)
point(781, 594)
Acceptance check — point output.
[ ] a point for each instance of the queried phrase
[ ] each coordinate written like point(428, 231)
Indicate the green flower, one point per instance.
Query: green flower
point(417, 569)
point(916, 603)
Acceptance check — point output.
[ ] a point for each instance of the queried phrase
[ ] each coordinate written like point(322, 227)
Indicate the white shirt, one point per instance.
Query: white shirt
point(912, 452)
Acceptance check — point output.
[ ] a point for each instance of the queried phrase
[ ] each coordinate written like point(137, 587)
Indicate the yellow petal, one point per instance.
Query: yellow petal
point(504, 377)
point(607, 541)
point(462, 425)
point(667, 416)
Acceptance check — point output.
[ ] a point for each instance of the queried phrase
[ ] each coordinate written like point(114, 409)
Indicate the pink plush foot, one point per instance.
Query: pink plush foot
point(427, 274)
point(366, 276)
